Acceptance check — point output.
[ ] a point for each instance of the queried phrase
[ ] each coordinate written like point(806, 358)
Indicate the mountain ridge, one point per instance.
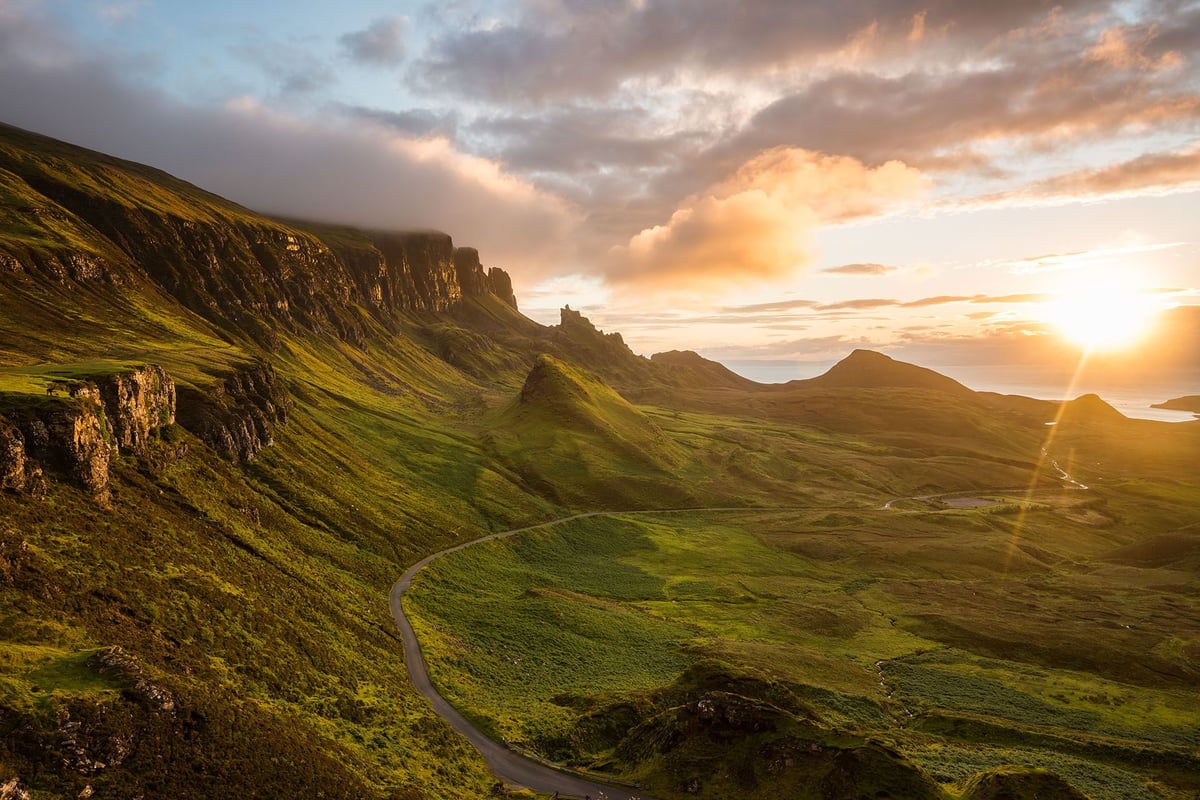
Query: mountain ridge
point(104, 220)
point(347, 402)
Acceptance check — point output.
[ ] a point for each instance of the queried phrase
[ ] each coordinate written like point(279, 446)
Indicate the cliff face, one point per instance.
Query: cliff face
point(137, 403)
point(70, 434)
point(15, 466)
point(81, 433)
point(239, 415)
point(229, 265)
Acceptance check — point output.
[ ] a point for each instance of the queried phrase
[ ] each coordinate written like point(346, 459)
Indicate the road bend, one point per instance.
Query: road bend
point(507, 765)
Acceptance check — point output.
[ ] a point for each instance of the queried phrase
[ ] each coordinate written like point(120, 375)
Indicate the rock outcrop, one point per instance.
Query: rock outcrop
point(476, 282)
point(137, 403)
point(500, 284)
point(13, 462)
point(234, 268)
point(82, 432)
point(71, 434)
point(238, 416)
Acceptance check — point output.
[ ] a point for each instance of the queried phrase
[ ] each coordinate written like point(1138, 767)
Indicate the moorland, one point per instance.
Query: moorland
point(223, 436)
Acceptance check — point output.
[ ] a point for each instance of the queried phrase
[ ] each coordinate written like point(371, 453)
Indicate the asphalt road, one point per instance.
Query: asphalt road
point(512, 768)
point(508, 766)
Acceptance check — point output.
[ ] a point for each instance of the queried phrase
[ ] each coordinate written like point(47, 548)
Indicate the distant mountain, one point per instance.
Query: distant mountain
point(866, 369)
point(1089, 408)
point(1189, 403)
point(689, 368)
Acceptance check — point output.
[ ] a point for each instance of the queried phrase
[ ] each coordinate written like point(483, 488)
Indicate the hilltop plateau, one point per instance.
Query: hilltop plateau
point(223, 436)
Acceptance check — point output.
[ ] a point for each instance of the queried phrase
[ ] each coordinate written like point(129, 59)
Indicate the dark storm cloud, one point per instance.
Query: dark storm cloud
point(381, 44)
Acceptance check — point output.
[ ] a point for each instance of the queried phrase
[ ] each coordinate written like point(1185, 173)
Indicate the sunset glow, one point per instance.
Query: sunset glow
point(772, 184)
point(1102, 317)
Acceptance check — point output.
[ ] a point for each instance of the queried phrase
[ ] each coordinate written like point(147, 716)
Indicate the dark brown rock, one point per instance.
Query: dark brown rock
point(12, 457)
point(238, 416)
point(500, 284)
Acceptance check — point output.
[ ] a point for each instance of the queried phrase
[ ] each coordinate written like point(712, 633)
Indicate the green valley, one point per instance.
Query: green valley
point(223, 436)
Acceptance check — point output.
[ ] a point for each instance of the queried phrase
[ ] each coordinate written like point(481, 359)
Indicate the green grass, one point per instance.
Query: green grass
point(1058, 629)
point(782, 595)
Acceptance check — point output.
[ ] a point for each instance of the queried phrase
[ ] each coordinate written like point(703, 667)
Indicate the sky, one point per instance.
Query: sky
point(769, 183)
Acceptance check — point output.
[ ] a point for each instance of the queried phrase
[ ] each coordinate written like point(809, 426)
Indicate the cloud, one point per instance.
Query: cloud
point(780, 305)
point(558, 49)
point(939, 300)
point(337, 168)
point(861, 269)
point(572, 139)
point(1152, 173)
point(1011, 298)
point(1053, 262)
point(380, 44)
point(926, 302)
point(935, 120)
point(814, 348)
point(1125, 47)
point(416, 122)
point(759, 222)
point(858, 304)
point(295, 70)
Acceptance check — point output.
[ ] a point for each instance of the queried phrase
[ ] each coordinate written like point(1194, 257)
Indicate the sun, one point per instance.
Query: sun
point(1102, 316)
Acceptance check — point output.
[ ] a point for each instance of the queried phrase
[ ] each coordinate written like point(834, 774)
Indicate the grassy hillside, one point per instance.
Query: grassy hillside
point(962, 639)
point(218, 624)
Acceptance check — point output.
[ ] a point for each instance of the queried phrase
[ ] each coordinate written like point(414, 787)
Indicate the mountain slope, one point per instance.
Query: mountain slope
point(570, 435)
point(222, 436)
point(866, 369)
point(73, 215)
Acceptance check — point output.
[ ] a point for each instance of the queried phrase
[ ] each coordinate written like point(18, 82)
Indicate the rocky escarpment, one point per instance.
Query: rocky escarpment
point(475, 282)
point(137, 403)
point(18, 472)
point(576, 339)
point(238, 416)
point(81, 431)
point(106, 221)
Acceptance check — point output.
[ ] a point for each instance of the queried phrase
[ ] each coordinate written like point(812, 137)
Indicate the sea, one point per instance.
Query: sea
point(1133, 399)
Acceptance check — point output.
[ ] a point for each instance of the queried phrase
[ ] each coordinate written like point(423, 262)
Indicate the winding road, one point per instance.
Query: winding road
point(507, 765)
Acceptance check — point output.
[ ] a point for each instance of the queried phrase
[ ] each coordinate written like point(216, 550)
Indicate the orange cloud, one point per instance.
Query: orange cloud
point(1125, 48)
point(759, 222)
